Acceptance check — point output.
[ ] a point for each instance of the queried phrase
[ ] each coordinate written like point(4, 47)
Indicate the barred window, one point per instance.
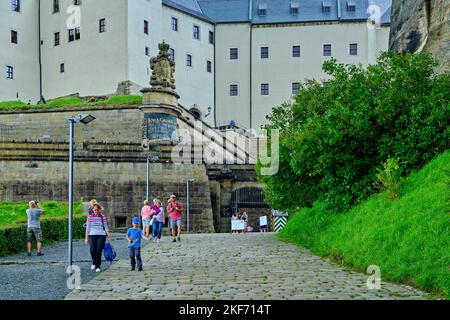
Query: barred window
point(234, 54)
point(264, 89)
point(102, 25)
point(15, 5)
point(327, 50)
point(296, 51)
point(234, 90)
point(353, 49)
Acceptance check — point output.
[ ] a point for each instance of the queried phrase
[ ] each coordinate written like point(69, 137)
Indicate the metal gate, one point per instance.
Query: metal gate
point(247, 197)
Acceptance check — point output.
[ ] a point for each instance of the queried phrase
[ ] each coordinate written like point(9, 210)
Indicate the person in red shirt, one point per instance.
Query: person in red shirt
point(175, 209)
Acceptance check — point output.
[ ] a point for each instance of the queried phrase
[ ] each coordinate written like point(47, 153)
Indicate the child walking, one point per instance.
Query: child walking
point(134, 236)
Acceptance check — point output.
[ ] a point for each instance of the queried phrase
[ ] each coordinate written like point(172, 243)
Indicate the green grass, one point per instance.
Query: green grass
point(12, 214)
point(71, 102)
point(11, 104)
point(120, 100)
point(61, 102)
point(408, 238)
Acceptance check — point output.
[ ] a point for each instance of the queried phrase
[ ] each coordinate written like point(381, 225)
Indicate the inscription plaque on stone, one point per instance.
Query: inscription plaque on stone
point(160, 126)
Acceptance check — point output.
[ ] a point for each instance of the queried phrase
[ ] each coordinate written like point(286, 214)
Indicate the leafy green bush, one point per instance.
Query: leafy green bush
point(13, 239)
point(334, 137)
point(389, 177)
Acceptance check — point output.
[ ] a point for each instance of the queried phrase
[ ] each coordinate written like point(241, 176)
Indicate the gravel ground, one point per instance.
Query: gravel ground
point(44, 278)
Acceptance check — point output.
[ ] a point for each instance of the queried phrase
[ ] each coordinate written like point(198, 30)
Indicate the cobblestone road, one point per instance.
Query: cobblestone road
point(44, 278)
point(224, 266)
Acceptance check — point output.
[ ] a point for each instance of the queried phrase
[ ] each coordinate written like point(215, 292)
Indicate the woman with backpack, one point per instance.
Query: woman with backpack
point(97, 231)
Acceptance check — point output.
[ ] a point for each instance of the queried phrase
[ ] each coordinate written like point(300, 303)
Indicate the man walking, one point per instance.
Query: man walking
point(34, 227)
point(175, 209)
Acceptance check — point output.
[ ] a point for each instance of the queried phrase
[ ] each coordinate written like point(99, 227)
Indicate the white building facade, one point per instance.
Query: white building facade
point(235, 59)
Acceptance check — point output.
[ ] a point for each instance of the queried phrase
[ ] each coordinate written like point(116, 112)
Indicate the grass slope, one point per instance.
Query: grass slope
point(12, 214)
point(71, 102)
point(408, 238)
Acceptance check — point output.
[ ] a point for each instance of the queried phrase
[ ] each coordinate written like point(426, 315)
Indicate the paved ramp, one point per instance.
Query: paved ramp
point(238, 266)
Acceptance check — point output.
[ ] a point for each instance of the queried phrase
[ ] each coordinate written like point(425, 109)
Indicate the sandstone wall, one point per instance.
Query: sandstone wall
point(422, 25)
point(120, 187)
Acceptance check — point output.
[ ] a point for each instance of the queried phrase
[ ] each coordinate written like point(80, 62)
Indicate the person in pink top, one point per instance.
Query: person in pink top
point(175, 209)
point(154, 211)
point(146, 217)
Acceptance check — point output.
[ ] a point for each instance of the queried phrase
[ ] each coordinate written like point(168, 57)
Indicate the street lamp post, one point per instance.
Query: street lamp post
point(187, 203)
point(85, 119)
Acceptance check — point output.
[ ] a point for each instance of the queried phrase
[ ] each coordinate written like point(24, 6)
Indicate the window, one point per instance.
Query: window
point(174, 24)
point(211, 37)
point(145, 26)
point(147, 51)
point(172, 54)
point(61, 68)
point(296, 51)
point(295, 87)
point(326, 6)
point(74, 34)
point(13, 36)
point(56, 39)
point(55, 6)
point(102, 25)
point(233, 53)
point(262, 9)
point(208, 66)
point(264, 89)
point(233, 90)
point(196, 32)
point(15, 5)
point(264, 52)
point(327, 50)
point(77, 2)
point(9, 72)
point(351, 6)
point(353, 48)
point(188, 60)
point(294, 7)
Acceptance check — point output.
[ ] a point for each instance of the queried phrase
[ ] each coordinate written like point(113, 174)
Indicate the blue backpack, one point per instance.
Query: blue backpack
point(110, 253)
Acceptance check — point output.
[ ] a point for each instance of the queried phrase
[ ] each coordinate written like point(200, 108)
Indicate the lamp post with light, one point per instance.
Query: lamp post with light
point(84, 119)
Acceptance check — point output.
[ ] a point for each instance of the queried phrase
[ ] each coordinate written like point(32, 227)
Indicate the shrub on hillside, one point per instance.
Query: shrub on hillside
point(13, 239)
point(334, 137)
point(389, 177)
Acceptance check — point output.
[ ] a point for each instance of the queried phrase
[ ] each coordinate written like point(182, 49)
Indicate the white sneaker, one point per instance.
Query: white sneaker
point(157, 240)
point(97, 270)
point(92, 267)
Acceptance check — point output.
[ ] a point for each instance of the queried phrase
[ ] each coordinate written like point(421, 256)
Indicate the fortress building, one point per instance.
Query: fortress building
point(236, 59)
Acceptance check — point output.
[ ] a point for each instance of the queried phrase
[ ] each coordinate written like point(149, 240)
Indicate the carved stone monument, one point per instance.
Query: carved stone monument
point(160, 101)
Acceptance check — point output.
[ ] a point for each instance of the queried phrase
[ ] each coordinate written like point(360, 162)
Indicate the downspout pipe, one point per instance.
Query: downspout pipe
point(250, 18)
point(41, 96)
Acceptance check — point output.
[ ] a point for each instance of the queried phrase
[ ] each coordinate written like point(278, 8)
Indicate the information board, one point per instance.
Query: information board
point(237, 225)
point(263, 221)
point(160, 126)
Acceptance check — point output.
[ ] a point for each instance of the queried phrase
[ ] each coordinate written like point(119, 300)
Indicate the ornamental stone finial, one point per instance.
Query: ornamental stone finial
point(163, 69)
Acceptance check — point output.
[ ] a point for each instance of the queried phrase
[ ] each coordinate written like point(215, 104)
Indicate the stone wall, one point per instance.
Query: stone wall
point(110, 165)
point(119, 187)
point(422, 25)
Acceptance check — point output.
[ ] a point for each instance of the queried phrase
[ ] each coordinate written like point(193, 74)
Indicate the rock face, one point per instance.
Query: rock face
point(418, 25)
